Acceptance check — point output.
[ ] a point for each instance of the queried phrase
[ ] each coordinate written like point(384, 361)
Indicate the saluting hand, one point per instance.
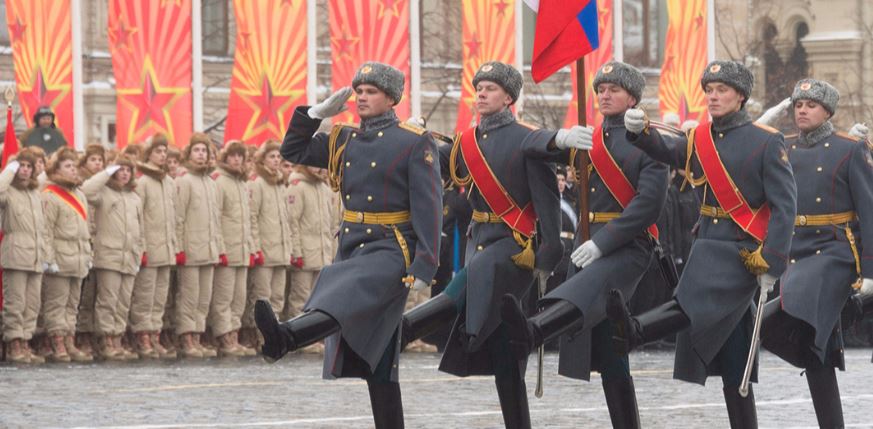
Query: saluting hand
point(866, 287)
point(575, 137)
point(334, 105)
point(859, 131)
point(635, 120)
point(774, 113)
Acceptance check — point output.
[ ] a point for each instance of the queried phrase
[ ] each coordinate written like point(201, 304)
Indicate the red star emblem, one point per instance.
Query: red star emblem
point(473, 46)
point(122, 33)
point(345, 44)
point(501, 6)
point(18, 29)
point(698, 21)
point(391, 7)
point(269, 108)
point(42, 94)
point(150, 103)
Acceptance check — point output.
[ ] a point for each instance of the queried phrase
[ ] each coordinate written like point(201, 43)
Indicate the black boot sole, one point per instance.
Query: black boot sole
point(274, 344)
point(520, 341)
point(620, 317)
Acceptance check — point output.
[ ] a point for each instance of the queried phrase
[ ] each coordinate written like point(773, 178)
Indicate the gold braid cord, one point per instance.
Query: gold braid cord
point(453, 164)
point(851, 237)
point(334, 167)
point(689, 174)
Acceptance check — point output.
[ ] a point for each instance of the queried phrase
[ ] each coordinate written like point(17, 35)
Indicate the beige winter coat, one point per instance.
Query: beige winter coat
point(23, 245)
point(157, 192)
point(197, 218)
point(236, 223)
point(271, 233)
point(68, 239)
point(314, 216)
point(118, 218)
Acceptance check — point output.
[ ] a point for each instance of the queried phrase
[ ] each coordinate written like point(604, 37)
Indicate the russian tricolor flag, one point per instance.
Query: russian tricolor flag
point(566, 30)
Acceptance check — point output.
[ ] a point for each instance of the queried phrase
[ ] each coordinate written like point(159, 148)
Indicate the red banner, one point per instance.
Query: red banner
point(685, 57)
point(368, 30)
point(489, 35)
point(269, 69)
point(150, 43)
point(593, 62)
point(40, 32)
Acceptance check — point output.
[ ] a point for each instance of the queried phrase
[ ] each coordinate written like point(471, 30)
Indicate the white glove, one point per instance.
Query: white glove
point(417, 121)
point(635, 120)
point(766, 282)
point(112, 169)
point(859, 131)
point(13, 166)
point(575, 137)
point(45, 266)
point(775, 113)
point(53, 268)
point(585, 254)
point(866, 287)
point(417, 285)
point(334, 105)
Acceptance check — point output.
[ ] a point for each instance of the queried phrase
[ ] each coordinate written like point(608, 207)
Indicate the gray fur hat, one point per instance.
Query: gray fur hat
point(624, 75)
point(730, 73)
point(502, 74)
point(382, 76)
point(819, 91)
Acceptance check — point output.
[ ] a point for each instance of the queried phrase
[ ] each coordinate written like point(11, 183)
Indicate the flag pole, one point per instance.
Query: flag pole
point(582, 160)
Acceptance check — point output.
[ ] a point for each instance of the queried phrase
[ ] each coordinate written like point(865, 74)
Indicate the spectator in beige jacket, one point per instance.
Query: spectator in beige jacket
point(68, 254)
point(198, 231)
point(271, 232)
point(157, 192)
point(22, 256)
point(229, 285)
point(118, 248)
point(90, 163)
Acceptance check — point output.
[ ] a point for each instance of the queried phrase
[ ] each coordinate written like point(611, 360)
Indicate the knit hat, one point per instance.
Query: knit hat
point(63, 154)
point(152, 143)
point(819, 91)
point(624, 75)
point(382, 76)
point(502, 74)
point(26, 156)
point(233, 147)
point(730, 73)
point(91, 150)
point(267, 147)
point(197, 138)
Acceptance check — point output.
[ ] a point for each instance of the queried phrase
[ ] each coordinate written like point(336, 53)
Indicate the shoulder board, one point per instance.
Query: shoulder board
point(442, 137)
point(412, 128)
point(846, 136)
point(791, 136)
point(344, 125)
point(528, 125)
point(767, 128)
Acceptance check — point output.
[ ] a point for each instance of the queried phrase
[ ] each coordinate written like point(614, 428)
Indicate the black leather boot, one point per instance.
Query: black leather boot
point(621, 399)
point(632, 332)
point(825, 397)
point(301, 331)
point(512, 392)
point(741, 411)
point(387, 404)
point(425, 318)
point(525, 334)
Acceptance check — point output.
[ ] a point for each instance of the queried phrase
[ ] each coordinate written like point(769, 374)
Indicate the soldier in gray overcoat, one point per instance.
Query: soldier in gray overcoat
point(729, 263)
point(831, 248)
point(617, 256)
point(388, 175)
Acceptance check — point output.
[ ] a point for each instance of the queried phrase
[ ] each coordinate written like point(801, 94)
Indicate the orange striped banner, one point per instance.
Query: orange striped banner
point(265, 86)
point(488, 35)
point(593, 61)
point(40, 32)
point(150, 43)
point(368, 30)
point(685, 57)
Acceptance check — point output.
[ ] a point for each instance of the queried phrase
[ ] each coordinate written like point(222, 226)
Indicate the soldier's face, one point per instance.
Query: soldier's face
point(25, 171)
point(809, 115)
point(67, 170)
point(39, 167)
point(562, 183)
point(491, 98)
point(158, 156)
point(371, 101)
point(722, 100)
point(199, 154)
point(272, 160)
point(234, 160)
point(94, 163)
point(173, 165)
point(123, 175)
point(45, 121)
point(614, 99)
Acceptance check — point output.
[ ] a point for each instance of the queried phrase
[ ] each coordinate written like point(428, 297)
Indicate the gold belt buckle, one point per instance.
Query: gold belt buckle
point(590, 217)
point(360, 217)
point(801, 220)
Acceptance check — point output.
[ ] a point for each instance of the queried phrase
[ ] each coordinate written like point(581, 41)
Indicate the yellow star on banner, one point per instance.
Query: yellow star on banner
point(150, 103)
point(42, 93)
point(268, 108)
point(389, 6)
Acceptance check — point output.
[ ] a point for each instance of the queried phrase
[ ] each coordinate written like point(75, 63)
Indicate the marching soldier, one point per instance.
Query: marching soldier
point(742, 243)
point(198, 230)
point(22, 256)
point(68, 254)
point(833, 229)
point(511, 194)
point(626, 196)
point(152, 284)
point(388, 176)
